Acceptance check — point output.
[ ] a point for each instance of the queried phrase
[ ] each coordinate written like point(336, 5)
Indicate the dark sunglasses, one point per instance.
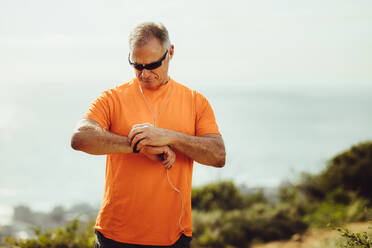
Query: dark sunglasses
point(150, 66)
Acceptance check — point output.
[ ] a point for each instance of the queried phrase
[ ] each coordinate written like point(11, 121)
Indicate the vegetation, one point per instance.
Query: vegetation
point(238, 228)
point(351, 171)
point(223, 196)
point(224, 216)
point(355, 239)
point(73, 235)
point(341, 193)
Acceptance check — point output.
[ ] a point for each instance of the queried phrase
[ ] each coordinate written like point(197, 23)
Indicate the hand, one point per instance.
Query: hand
point(162, 154)
point(148, 135)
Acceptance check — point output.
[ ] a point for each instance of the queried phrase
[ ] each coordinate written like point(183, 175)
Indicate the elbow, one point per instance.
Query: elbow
point(220, 155)
point(77, 142)
point(220, 160)
point(221, 163)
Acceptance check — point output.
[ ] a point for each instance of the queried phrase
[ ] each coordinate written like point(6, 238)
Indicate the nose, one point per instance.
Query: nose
point(145, 73)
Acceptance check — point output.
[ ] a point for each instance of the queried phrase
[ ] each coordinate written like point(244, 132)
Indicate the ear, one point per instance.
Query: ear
point(171, 51)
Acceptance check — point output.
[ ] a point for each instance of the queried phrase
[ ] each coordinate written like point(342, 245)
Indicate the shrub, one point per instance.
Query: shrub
point(240, 227)
point(355, 239)
point(223, 195)
point(74, 235)
point(351, 170)
point(337, 208)
point(254, 198)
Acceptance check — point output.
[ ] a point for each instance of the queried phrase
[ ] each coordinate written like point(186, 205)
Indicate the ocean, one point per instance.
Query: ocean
point(271, 137)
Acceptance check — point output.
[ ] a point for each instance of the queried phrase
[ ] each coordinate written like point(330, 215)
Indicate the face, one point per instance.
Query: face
point(149, 53)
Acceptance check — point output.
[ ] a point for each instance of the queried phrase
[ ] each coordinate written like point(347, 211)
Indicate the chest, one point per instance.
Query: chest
point(176, 113)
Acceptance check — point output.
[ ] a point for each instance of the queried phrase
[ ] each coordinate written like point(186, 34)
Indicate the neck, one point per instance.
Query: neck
point(154, 87)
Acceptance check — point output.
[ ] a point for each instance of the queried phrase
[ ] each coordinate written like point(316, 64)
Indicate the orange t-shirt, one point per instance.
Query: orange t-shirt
point(139, 205)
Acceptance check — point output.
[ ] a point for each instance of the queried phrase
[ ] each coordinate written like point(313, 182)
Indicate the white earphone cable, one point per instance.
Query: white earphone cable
point(169, 181)
point(182, 208)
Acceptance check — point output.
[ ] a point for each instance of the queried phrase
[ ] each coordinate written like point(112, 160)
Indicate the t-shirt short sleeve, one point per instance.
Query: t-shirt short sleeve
point(100, 110)
point(205, 119)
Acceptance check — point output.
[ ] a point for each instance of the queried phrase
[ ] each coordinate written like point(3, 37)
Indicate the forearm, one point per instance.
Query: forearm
point(162, 154)
point(208, 149)
point(97, 141)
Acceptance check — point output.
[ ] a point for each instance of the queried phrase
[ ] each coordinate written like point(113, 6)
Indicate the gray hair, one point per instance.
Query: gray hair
point(146, 31)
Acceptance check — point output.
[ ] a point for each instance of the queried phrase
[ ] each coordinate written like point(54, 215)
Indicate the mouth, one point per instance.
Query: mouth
point(146, 81)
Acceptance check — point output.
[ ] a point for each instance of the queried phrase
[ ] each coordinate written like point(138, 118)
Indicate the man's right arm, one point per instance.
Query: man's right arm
point(91, 138)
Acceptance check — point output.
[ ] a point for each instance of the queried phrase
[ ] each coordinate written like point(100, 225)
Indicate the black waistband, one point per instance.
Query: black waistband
point(103, 242)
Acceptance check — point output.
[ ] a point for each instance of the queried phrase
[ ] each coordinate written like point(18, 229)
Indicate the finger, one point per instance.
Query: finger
point(170, 154)
point(133, 134)
point(166, 156)
point(141, 143)
point(166, 166)
point(165, 160)
point(155, 149)
point(135, 147)
point(172, 160)
point(135, 126)
point(170, 165)
point(136, 138)
point(144, 151)
point(173, 156)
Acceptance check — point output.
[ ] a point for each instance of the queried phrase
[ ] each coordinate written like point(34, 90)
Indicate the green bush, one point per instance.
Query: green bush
point(254, 198)
point(355, 239)
point(293, 196)
point(240, 227)
point(351, 170)
point(74, 235)
point(222, 195)
point(338, 194)
point(338, 207)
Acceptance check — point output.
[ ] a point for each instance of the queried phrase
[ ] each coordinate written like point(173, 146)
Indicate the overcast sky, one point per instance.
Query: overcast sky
point(265, 43)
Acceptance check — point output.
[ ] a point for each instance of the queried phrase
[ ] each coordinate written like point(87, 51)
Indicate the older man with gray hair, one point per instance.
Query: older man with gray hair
point(152, 129)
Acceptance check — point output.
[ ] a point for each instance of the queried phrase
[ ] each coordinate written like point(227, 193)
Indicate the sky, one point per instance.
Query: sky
point(267, 67)
point(222, 42)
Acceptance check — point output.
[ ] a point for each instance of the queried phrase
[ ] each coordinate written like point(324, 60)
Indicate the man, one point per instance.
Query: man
point(152, 129)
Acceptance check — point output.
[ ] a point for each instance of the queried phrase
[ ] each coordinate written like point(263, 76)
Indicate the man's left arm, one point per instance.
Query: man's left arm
point(208, 149)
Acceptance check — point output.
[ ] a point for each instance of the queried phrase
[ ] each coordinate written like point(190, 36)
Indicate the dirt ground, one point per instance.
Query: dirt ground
point(315, 238)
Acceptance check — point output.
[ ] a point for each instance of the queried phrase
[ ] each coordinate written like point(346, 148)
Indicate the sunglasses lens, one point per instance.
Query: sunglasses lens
point(138, 67)
point(150, 66)
point(153, 66)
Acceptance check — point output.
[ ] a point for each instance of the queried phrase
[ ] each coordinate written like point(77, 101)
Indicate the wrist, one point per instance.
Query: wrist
point(173, 138)
point(126, 146)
